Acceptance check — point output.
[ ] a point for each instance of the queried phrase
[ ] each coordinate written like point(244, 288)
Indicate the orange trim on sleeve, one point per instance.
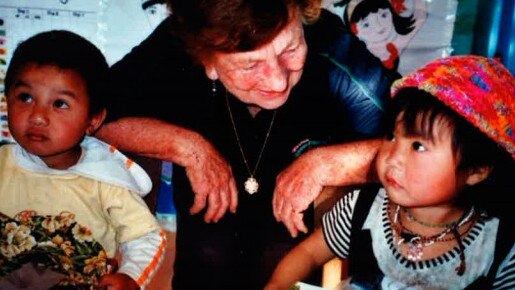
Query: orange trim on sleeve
point(112, 148)
point(128, 163)
point(155, 261)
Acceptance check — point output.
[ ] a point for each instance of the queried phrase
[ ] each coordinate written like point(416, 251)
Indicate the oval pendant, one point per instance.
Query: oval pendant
point(251, 185)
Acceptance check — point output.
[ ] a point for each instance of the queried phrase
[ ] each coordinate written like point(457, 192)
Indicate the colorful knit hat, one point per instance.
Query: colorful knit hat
point(480, 89)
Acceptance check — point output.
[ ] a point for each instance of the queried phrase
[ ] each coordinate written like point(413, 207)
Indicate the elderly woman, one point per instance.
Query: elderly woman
point(228, 91)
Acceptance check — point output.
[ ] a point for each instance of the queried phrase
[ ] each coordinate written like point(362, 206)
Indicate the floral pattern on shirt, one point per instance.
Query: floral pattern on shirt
point(55, 242)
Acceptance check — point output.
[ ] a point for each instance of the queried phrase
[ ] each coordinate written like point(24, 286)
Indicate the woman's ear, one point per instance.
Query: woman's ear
point(210, 68)
point(96, 120)
point(479, 174)
point(211, 72)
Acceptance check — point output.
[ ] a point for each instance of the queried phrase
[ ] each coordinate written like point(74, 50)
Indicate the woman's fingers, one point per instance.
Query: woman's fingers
point(213, 184)
point(233, 193)
point(198, 203)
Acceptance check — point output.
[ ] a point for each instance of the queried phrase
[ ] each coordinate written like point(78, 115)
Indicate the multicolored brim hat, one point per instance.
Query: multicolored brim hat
point(480, 89)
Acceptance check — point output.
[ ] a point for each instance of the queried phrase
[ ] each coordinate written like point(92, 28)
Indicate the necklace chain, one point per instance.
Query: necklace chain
point(400, 228)
point(251, 185)
point(431, 225)
point(417, 242)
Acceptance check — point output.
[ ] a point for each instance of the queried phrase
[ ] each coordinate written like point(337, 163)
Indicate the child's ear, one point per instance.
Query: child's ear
point(95, 122)
point(478, 174)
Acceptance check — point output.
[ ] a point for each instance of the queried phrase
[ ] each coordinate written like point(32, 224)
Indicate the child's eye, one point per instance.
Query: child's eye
point(61, 104)
point(390, 137)
point(417, 146)
point(26, 98)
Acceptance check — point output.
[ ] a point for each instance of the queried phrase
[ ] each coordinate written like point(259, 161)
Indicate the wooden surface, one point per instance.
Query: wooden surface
point(162, 280)
point(336, 269)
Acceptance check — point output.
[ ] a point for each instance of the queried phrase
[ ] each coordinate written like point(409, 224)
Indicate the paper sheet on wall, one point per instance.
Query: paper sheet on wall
point(114, 26)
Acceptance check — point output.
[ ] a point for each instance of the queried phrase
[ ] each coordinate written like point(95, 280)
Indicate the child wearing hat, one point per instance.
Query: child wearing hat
point(430, 224)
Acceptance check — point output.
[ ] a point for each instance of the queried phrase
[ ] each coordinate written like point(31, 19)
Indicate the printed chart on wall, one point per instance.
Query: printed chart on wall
point(20, 19)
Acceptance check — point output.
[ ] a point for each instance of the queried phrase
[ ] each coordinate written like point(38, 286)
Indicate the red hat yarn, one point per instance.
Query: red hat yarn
point(480, 89)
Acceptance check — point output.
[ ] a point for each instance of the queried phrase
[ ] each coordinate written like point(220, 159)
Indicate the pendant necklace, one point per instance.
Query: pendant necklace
point(251, 185)
point(416, 243)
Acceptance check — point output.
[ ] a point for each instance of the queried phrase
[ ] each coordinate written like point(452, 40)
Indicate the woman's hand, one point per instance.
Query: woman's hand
point(212, 182)
point(118, 281)
point(296, 187)
point(209, 174)
point(301, 182)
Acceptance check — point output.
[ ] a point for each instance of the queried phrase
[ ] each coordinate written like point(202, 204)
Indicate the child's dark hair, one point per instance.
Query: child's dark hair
point(403, 25)
point(472, 147)
point(65, 50)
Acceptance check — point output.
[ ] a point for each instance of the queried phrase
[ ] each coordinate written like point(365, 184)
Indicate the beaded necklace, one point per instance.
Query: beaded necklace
point(431, 225)
point(416, 243)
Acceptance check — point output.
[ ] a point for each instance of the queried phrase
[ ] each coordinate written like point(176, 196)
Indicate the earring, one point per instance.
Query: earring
point(213, 89)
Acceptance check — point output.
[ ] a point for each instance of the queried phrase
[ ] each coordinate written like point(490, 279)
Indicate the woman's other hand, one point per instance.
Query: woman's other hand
point(335, 165)
point(296, 187)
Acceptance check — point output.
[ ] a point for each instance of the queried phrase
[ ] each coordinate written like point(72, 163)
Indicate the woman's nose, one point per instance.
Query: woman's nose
point(277, 76)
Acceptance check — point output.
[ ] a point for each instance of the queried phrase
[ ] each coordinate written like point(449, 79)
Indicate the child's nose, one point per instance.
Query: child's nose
point(38, 117)
point(396, 155)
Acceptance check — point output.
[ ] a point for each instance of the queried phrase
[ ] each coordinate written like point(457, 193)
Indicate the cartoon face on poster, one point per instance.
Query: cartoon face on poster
point(386, 27)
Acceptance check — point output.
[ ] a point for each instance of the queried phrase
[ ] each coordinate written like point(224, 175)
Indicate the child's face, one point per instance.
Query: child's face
point(417, 171)
point(376, 27)
point(48, 113)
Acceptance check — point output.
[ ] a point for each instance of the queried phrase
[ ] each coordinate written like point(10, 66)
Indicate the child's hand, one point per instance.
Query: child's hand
point(118, 281)
point(112, 265)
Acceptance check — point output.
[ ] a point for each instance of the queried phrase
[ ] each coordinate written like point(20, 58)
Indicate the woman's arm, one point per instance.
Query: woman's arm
point(335, 165)
point(209, 174)
point(307, 256)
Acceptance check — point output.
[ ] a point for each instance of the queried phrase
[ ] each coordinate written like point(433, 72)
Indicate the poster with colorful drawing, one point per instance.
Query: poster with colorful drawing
point(386, 27)
point(403, 34)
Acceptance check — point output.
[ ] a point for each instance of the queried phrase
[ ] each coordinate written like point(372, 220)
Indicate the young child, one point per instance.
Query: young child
point(427, 227)
point(69, 202)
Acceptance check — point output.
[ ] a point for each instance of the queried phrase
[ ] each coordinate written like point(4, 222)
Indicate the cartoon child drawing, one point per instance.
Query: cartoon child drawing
point(383, 26)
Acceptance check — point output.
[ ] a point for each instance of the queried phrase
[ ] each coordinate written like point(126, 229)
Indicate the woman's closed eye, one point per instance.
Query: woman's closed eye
point(290, 51)
point(250, 66)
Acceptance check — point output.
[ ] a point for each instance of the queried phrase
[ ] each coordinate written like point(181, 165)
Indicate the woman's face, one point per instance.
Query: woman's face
point(265, 76)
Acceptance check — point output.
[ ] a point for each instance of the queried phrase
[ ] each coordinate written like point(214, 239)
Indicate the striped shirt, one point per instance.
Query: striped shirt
point(435, 273)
